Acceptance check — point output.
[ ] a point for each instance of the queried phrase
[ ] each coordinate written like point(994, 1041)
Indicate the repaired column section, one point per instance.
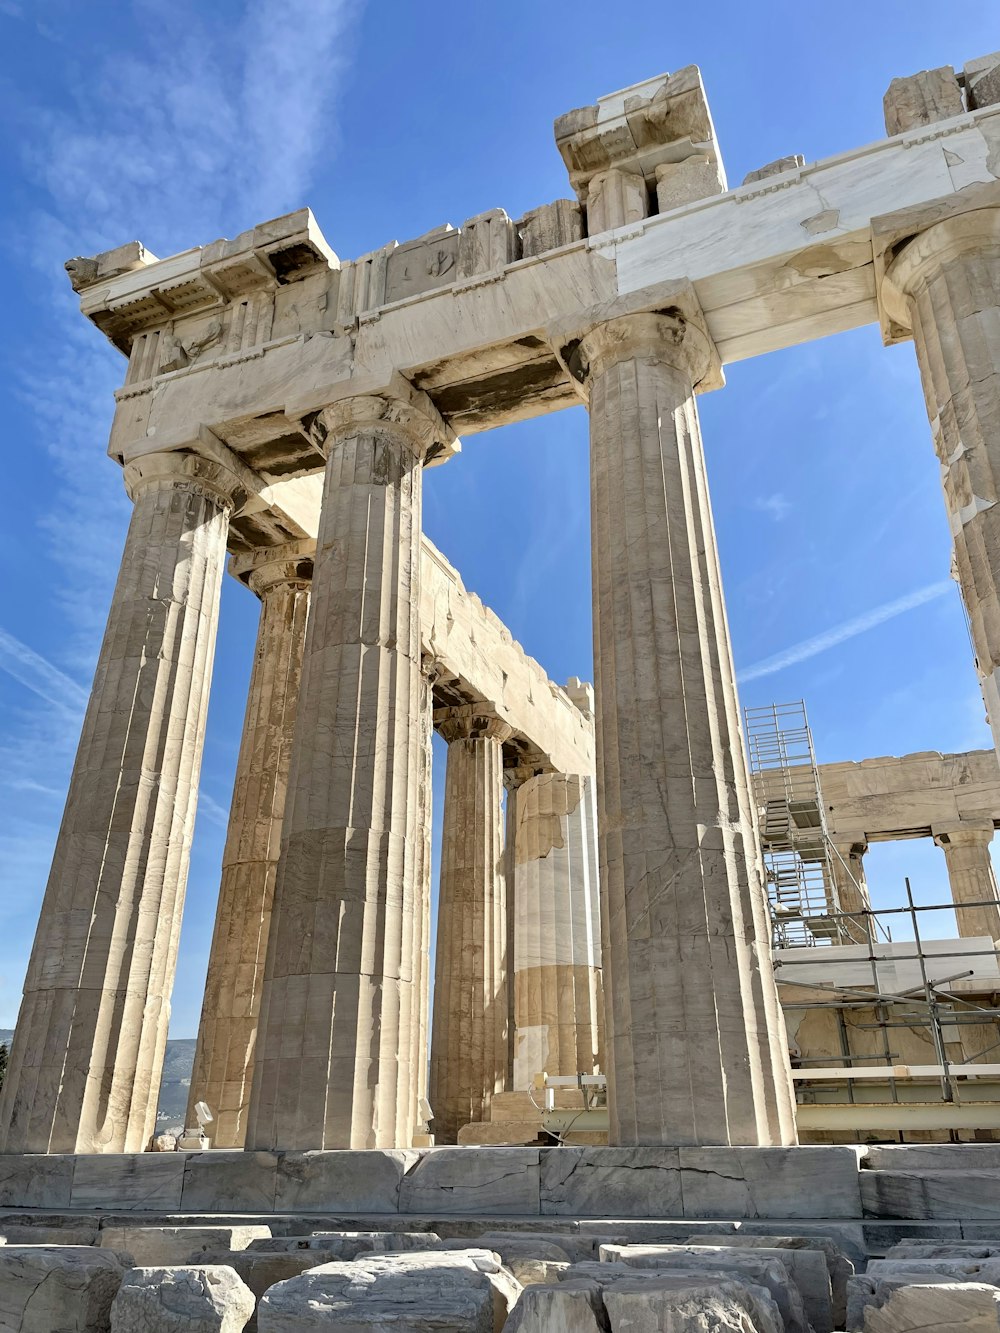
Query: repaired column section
point(696, 1042)
point(334, 1046)
point(227, 1033)
point(85, 1066)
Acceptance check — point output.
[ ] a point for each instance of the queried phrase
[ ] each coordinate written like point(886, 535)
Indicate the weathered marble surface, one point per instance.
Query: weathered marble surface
point(57, 1289)
point(128, 1180)
point(770, 1182)
point(35, 1180)
point(950, 1307)
point(495, 1181)
point(345, 1182)
point(667, 1306)
point(464, 1290)
point(612, 1182)
point(838, 1267)
point(570, 1307)
point(230, 1182)
point(770, 1274)
point(931, 1194)
point(202, 1299)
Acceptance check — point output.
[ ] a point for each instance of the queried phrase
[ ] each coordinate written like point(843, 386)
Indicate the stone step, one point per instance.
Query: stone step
point(932, 1157)
point(960, 1195)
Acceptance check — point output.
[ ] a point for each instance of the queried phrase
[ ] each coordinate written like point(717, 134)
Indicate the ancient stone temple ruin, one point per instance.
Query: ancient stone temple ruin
point(608, 853)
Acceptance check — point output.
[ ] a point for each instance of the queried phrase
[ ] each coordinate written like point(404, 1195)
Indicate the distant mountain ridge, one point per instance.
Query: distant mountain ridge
point(177, 1066)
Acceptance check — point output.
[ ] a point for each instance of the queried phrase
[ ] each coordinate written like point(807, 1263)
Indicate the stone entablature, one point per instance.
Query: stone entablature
point(913, 796)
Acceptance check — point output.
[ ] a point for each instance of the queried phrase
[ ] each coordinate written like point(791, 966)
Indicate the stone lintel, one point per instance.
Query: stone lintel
point(893, 232)
point(676, 301)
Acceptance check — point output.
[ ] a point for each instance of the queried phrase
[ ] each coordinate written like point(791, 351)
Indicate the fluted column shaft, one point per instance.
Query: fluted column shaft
point(847, 862)
point(695, 1039)
point(420, 1060)
point(224, 1054)
point(945, 286)
point(558, 997)
point(84, 1071)
point(469, 1040)
point(334, 1046)
point(972, 878)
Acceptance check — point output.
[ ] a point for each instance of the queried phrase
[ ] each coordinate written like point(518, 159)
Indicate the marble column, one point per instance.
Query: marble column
point(420, 1059)
point(848, 866)
point(334, 1044)
point(696, 1043)
point(224, 1055)
point(558, 998)
point(944, 287)
point(85, 1066)
point(966, 850)
point(469, 1038)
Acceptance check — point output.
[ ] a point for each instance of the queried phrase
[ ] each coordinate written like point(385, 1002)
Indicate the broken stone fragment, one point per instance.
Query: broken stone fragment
point(571, 1307)
point(982, 81)
point(775, 168)
point(952, 1307)
point(696, 177)
point(66, 1288)
point(463, 1291)
point(922, 99)
point(667, 1305)
point(203, 1299)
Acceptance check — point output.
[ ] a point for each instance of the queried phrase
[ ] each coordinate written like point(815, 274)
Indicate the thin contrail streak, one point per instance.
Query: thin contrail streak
point(36, 673)
point(850, 629)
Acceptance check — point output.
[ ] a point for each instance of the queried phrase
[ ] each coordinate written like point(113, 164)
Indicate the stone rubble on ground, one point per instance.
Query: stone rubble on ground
point(57, 1289)
point(196, 1299)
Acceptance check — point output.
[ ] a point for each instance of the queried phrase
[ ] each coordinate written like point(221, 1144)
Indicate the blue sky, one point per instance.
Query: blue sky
point(178, 123)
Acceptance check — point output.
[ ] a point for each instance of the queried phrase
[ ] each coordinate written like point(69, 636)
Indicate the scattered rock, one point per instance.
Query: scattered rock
point(57, 1289)
point(666, 1305)
point(202, 1299)
point(950, 1307)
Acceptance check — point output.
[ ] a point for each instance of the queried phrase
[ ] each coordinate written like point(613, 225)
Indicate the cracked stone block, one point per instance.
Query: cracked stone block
point(931, 1194)
point(665, 1306)
point(166, 1246)
point(260, 1270)
point(536, 1272)
point(460, 1291)
point(31, 1180)
point(611, 1182)
point(221, 1181)
point(57, 1289)
point(948, 1308)
point(922, 99)
point(932, 1156)
point(839, 1268)
point(771, 1274)
point(550, 227)
point(873, 1288)
point(925, 1249)
point(815, 1181)
point(696, 177)
point(350, 1182)
point(488, 1181)
point(202, 1299)
point(128, 1180)
point(570, 1307)
point(775, 168)
point(982, 81)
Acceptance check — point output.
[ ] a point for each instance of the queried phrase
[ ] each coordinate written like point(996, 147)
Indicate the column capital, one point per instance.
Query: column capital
point(519, 774)
point(465, 722)
point(182, 470)
point(394, 407)
point(910, 245)
point(850, 844)
point(668, 326)
point(267, 567)
point(977, 834)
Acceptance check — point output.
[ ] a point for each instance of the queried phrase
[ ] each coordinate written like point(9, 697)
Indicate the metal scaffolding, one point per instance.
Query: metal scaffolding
point(798, 856)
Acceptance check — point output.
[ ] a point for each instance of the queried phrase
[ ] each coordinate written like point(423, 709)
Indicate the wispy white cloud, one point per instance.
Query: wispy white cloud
point(777, 506)
point(39, 675)
point(848, 629)
point(190, 128)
